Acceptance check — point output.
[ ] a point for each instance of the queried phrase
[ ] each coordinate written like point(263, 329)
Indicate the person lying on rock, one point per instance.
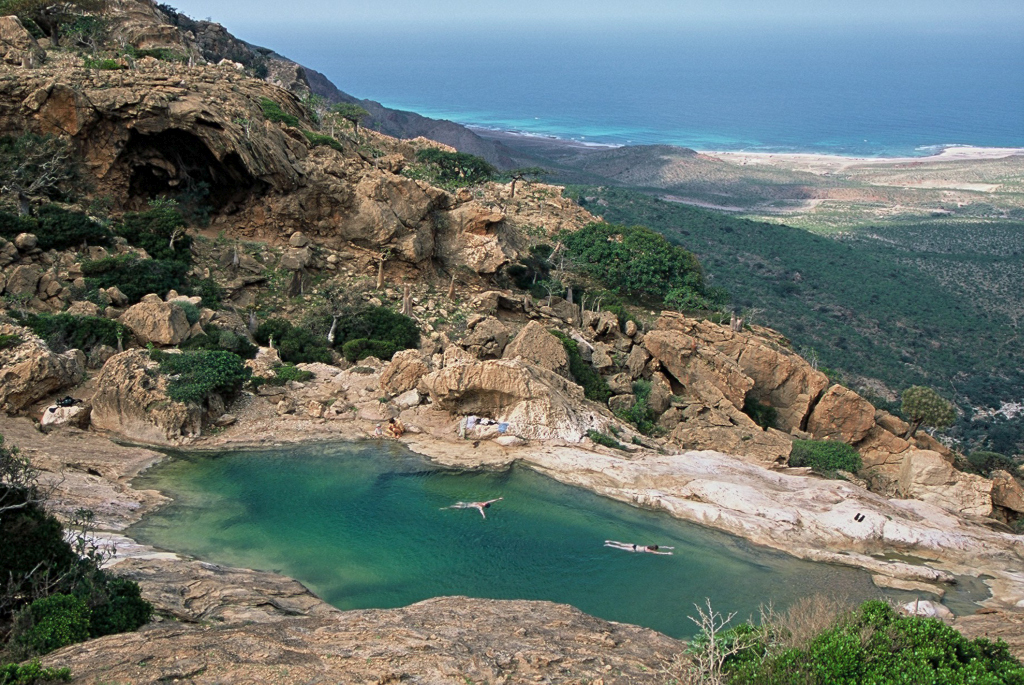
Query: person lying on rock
point(479, 506)
point(633, 547)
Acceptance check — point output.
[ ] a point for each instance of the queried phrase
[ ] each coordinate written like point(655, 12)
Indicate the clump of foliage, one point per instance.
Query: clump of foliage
point(31, 674)
point(361, 348)
point(68, 331)
point(273, 112)
point(34, 165)
point(52, 20)
point(162, 54)
point(102, 64)
point(9, 340)
point(294, 344)
point(197, 375)
point(595, 387)
point(136, 278)
point(318, 139)
point(283, 374)
point(641, 415)
point(216, 339)
point(349, 112)
point(160, 231)
point(640, 264)
point(456, 169)
point(924, 407)
point(56, 228)
point(377, 331)
point(825, 456)
point(607, 441)
point(763, 415)
point(192, 312)
point(54, 591)
point(984, 463)
point(532, 268)
point(878, 645)
point(12, 225)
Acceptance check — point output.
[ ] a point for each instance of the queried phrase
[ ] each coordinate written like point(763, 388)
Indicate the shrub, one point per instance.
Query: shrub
point(123, 609)
point(68, 331)
point(61, 229)
point(763, 415)
point(136, 278)
point(201, 374)
point(295, 345)
point(877, 645)
point(380, 324)
point(640, 414)
point(216, 339)
point(361, 348)
point(159, 231)
point(31, 674)
point(283, 374)
point(602, 439)
point(984, 463)
point(456, 168)
point(103, 64)
point(825, 456)
point(595, 387)
point(9, 340)
point(207, 289)
point(318, 139)
point(273, 112)
point(12, 225)
point(924, 407)
point(50, 623)
point(192, 313)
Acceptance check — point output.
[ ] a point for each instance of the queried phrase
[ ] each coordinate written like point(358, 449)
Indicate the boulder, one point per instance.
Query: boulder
point(487, 340)
point(408, 399)
point(537, 403)
point(926, 609)
point(620, 384)
point(17, 46)
point(536, 345)
point(703, 372)
point(23, 280)
point(601, 357)
point(99, 355)
point(26, 242)
point(1007, 492)
point(927, 476)
point(637, 360)
point(726, 429)
point(157, 322)
point(843, 415)
point(54, 417)
point(31, 371)
point(84, 308)
point(404, 372)
point(621, 403)
point(131, 400)
point(296, 258)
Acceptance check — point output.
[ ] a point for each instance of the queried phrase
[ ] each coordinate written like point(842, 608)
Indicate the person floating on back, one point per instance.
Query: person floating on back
point(633, 547)
point(479, 506)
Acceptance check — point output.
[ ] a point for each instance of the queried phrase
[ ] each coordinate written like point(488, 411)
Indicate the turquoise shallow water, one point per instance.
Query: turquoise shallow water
point(363, 526)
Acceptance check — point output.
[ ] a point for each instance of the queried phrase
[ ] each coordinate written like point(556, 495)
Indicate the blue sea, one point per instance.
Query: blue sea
point(848, 91)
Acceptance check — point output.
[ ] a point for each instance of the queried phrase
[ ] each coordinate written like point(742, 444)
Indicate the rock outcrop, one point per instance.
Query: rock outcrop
point(17, 46)
point(404, 372)
point(539, 347)
point(30, 371)
point(157, 322)
point(131, 400)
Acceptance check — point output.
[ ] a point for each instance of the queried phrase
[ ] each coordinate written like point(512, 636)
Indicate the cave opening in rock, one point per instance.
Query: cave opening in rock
point(177, 165)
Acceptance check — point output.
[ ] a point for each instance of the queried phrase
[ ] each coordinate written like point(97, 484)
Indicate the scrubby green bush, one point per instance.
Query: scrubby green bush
point(32, 673)
point(924, 407)
point(877, 645)
point(9, 340)
point(159, 231)
point(763, 415)
point(121, 608)
point(68, 331)
point(318, 139)
point(50, 623)
point(455, 169)
point(207, 289)
point(12, 225)
point(102, 63)
point(294, 344)
point(361, 348)
point(825, 456)
point(602, 439)
point(273, 112)
point(641, 415)
point(135, 277)
point(984, 463)
point(377, 324)
point(192, 312)
point(61, 229)
point(595, 387)
point(283, 374)
point(217, 339)
point(197, 375)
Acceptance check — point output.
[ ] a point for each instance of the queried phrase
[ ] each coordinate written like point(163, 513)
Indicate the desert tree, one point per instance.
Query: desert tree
point(32, 165)
point(924, 407)
point(525, 175)
point(350, 112)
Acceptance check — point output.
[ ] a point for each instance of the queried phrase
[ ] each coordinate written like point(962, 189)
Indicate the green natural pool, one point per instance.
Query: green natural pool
point(362, 525)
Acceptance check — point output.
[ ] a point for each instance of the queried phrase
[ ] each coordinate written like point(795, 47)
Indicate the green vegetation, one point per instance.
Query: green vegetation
point(361, 348)
point(66, 331)
point(273, 112)
point(283, 374)
point(825, 456)
point(602, 439)
point(872, 645)
point(641, 265)
point(925, 407)
point(595, 387)
point(318, 139)
point(31, 674)
point(906, 304)
point(54, 591)
point(294, 344)
point(102, 64)
point(763, 415)
point(350, 112)
point(136, 278)
point(32, 165)
point(160, 231)
point(640, 414)
point(984, 463)
point(215, 339)
point(197, 375)
point(455, 169)
point(56, 228)
point(9, 340)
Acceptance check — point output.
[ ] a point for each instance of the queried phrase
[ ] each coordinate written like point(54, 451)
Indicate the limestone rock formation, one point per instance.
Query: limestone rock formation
point(30, 371)
point(1007, 492)
point(842, 415)
point(487, 340)
point(537, 403)
point(926, 476)
point(17, 46)
point(157, 322)
point(131, 400)
point(404, 372)
point(54, 417)
point(537, 346)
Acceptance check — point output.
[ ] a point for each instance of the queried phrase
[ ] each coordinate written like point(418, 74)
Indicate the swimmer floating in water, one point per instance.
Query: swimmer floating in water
point(632, 547)
point(479, 506)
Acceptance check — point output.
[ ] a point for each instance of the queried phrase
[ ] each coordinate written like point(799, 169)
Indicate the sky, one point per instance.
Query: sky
point(264, 16)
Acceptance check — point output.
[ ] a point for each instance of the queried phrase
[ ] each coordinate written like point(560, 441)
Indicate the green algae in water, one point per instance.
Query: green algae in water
point(363, 525)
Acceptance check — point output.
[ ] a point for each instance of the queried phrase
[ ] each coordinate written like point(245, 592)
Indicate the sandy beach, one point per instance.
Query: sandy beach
point(821, 164)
